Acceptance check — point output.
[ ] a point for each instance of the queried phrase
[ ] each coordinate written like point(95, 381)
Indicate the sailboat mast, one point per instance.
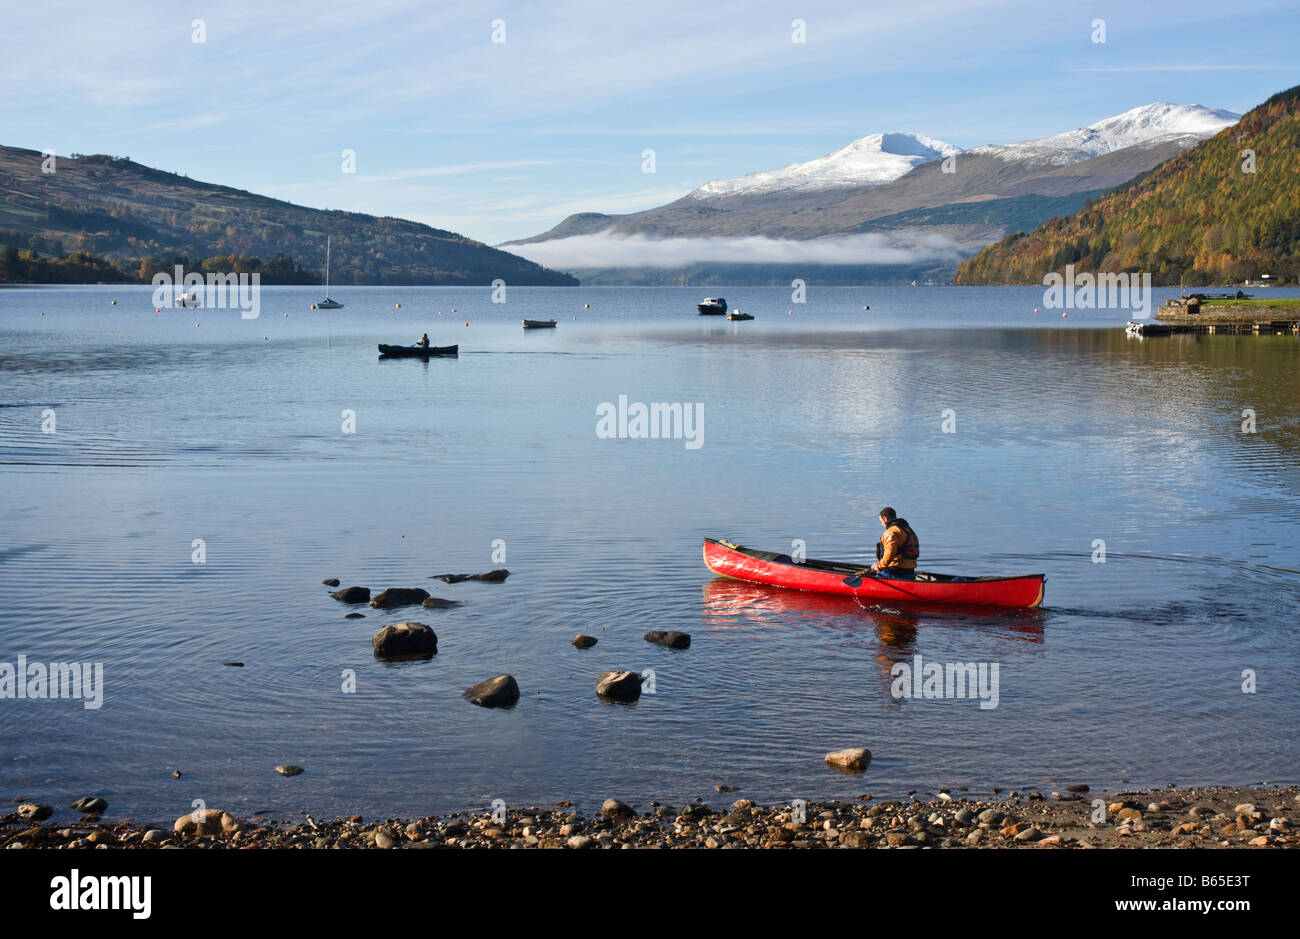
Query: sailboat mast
point(327, 267)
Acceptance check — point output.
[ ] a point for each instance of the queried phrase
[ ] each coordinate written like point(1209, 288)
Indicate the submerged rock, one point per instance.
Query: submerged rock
point(332, 582)
point(584, 642)
point(499, 691)
point(438, 603)
point(90, 805)
point(619, 685)
point(673, 640)
point(403, 639)
point(491, 577)
point(355, 616)
point(352, 595)
point(289, 769)
point(852, 760)
point(399, 596)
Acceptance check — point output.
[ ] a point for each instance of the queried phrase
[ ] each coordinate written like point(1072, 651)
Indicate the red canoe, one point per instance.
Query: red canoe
point(779, 570)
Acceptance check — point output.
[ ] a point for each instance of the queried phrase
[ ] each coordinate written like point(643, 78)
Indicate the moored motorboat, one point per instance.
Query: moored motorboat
point(416, 351)
point(780, 570)
point(539, 324)
point(713, 306)
point(740, 316)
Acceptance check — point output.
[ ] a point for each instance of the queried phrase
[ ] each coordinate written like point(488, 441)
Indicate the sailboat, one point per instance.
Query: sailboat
point(327, 303)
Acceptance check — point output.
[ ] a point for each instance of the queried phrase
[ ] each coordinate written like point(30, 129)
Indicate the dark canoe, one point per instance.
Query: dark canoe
point(780, 570)
point(422, 352)
point(539, 324)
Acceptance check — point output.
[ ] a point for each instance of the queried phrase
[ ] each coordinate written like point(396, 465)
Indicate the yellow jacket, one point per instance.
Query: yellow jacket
point(891, 557)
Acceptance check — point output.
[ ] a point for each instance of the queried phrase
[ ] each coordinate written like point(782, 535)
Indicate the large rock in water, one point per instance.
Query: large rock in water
point(499, 691)
point(673, 640)
point(852, 760)
point(619, 685)
point(352, 594)
point(413, 639)
point(584, 642)
point(33, 812)
point(399, 596)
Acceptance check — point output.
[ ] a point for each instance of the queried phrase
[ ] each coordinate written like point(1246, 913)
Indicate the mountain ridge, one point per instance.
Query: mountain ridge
point(117, 209)
point(1223, 211)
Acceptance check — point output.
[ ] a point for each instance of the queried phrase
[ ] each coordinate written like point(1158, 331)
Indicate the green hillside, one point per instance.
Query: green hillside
point(1197, 218)
point(133, 218)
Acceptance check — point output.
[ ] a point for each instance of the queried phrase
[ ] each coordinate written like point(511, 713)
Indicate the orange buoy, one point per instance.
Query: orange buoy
point(467, 324)
point(1064, 315)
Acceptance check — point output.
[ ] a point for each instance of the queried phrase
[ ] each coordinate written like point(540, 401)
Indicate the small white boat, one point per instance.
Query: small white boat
point(327, 303)
point(189, 300)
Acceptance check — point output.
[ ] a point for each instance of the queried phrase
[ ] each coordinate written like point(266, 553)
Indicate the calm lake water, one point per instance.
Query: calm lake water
point(197, 424)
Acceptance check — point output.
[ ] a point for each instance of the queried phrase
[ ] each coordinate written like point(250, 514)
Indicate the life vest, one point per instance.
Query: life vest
point(911, 546)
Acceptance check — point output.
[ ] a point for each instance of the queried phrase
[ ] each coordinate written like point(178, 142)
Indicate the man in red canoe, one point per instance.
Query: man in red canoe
point(898, 549)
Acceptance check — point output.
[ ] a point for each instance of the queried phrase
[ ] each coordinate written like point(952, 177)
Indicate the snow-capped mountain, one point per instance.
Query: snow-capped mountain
point(873, 160)
point(901, 185)
point(1138, 126)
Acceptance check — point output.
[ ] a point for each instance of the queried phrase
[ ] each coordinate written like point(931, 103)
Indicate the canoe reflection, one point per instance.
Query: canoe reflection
point(737, 604)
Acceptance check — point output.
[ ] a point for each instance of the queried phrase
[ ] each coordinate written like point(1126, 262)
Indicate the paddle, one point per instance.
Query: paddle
point(855, 580)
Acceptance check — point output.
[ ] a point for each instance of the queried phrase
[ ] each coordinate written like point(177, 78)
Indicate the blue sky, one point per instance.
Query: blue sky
point(503, 140)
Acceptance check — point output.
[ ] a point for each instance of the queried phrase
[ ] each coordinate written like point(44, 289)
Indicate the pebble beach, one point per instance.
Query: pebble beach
point(1224, 817)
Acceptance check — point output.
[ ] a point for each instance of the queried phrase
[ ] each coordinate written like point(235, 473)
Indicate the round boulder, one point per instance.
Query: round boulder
point(399, 596)
point(619, 685)
point(352, 595)
point(499, 691)
point(584, 642)
point(207, 822)
point(852, 760)
point(31, 812)
point(405, 639)
point(613, 808)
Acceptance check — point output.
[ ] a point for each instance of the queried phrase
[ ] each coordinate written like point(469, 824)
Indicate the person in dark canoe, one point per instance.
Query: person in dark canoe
point(424, 341)
point(898, 549)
